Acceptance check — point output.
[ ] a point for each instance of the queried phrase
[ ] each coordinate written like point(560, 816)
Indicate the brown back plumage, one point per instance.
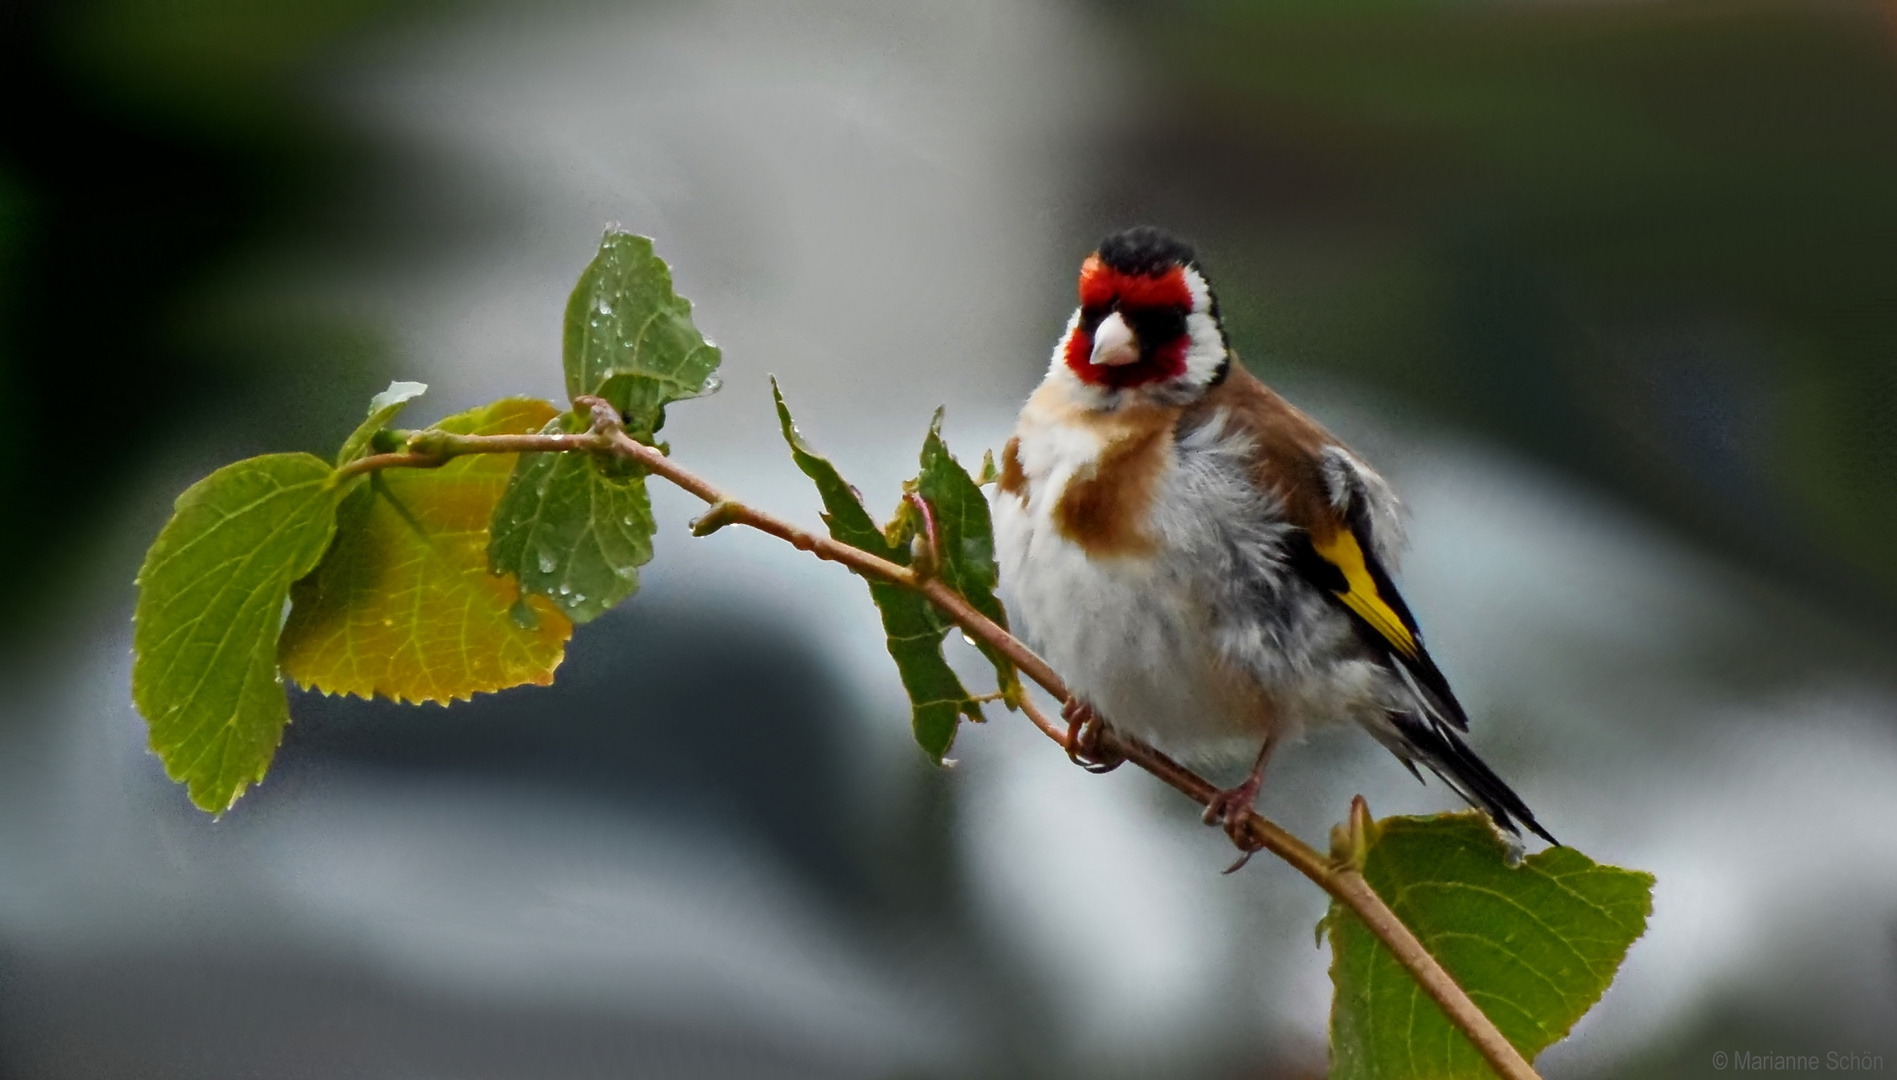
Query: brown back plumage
point(1290, 448)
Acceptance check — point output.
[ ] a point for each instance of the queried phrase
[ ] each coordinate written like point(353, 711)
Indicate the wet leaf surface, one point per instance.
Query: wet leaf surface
point(630, 339)
point(573, 531)
point(404, 604)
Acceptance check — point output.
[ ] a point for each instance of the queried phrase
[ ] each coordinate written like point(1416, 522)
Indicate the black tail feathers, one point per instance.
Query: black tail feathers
point(1437, 746)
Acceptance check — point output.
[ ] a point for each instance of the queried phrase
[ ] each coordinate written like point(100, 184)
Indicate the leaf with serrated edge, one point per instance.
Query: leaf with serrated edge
point(210, 603)
point(630, 339)
point(915, 630)
point(382, 408)
point(404, 604)
point(573, 533)
point(1534, 946)
point(966, 537)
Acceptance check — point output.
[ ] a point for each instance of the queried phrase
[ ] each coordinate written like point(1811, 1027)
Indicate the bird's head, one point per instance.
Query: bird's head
point(1147, 329)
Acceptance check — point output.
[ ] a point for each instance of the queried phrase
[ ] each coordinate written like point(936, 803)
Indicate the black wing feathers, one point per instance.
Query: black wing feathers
point(1420, 665)
point(1450, 758)
point(1348, 571)
point(1376, 596)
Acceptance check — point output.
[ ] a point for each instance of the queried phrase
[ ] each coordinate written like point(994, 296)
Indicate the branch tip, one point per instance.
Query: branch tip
point(723, 512)
point(1351, 839)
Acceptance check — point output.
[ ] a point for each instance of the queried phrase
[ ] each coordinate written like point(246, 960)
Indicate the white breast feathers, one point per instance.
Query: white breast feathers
point(1172, 613)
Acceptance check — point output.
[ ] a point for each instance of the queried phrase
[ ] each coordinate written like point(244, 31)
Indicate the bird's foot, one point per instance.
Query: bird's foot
point(1085, 746)
point(1231, 809)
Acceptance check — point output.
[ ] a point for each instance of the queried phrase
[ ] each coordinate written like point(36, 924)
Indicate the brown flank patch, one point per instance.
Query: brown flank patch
point(1104, 508)
point(1013, 480)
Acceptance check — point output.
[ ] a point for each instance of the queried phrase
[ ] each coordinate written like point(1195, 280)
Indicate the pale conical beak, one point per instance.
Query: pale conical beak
point(1114, 343)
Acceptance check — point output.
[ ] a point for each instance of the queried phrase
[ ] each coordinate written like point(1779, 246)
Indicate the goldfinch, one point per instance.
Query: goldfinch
point(1207, 567)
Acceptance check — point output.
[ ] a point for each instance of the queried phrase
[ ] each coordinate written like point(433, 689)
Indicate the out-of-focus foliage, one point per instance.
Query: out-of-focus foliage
point(1649, 242)
point(13, 245)
point(167, 143)
point(1534, 946)
point(216, 64)
point(404, 605)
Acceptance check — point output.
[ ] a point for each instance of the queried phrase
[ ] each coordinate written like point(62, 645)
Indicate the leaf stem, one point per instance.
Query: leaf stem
point(924, 566)
point(1337, 876)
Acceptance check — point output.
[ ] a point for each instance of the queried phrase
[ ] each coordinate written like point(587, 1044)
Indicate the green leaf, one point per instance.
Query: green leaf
point(210, 604)
point(913, 627)
point(382, 408)
point(404, 604)
point(630, 339)
point(1534, 946)
point(989, 474)
point(965, 538)
point(571, 531)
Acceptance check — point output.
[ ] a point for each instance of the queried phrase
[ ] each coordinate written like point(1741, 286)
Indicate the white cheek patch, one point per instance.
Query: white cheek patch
point(1201, 292)
point(1207, 350)
point(1206, 353)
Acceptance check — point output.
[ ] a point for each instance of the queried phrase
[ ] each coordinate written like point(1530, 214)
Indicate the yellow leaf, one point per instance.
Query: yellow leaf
point(404, 605)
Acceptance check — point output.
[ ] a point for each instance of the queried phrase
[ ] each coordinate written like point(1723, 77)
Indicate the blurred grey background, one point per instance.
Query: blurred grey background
point(1607, 288)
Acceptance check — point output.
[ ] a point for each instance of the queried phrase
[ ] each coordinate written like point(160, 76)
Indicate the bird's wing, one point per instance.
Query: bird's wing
point(1348, 525)
point(1348, 562)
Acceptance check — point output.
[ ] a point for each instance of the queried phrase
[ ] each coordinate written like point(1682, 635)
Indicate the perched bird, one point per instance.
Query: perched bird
point(1207, 567)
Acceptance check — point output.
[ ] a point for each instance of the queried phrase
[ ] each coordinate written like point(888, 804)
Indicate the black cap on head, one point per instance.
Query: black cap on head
point(1145, 251)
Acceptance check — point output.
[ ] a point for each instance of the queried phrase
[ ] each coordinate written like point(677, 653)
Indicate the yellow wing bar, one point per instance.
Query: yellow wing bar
point(1341, 551)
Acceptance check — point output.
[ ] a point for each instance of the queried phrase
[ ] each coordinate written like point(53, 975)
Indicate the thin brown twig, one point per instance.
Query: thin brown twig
point(1338, 875)
point(433, 449)
point(398, 460)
